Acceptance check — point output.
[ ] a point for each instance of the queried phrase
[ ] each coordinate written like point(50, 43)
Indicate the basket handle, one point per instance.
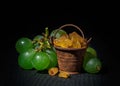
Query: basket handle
point(73, 25)
point(65, 25)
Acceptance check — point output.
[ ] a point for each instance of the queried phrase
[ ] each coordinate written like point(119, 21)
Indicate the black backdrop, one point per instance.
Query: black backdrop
point(95, 25)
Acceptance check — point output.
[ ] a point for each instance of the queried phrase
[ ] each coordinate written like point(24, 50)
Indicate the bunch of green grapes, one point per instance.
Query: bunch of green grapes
point(37, 53)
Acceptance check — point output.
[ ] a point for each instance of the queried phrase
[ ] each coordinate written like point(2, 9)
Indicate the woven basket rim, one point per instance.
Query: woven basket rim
point(68, 49)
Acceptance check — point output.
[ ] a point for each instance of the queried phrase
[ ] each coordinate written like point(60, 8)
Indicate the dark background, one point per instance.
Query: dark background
point(98, 24)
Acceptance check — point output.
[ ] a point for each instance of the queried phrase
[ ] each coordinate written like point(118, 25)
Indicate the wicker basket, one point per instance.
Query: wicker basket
point(70, 59)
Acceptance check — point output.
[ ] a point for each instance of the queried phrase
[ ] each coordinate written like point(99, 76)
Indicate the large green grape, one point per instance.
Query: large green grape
point(40, 61)
point(24, 59)
point(91, 63)
point(53, 57)
point(23, 44)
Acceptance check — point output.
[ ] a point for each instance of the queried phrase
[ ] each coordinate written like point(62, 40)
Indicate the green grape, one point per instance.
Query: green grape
point(23, 44)
point(53, 58)
point(40, 61)
point(38, 37)
point(55, 33)
point(92, 51)
point(38, 42)
point(87, 56)
point(91, 64)
point(24, 59)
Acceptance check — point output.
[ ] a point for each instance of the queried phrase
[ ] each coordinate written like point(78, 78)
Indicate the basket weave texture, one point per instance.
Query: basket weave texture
point(70, 59)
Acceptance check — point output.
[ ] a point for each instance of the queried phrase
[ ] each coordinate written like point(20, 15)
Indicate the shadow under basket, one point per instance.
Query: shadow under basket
point(70, 59)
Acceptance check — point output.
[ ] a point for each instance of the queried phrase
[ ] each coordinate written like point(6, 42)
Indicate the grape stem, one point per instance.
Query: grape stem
point(43, 43)
point(46, 38)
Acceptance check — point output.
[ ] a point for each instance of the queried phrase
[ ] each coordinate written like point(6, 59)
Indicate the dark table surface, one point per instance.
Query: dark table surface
point(22, 77)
